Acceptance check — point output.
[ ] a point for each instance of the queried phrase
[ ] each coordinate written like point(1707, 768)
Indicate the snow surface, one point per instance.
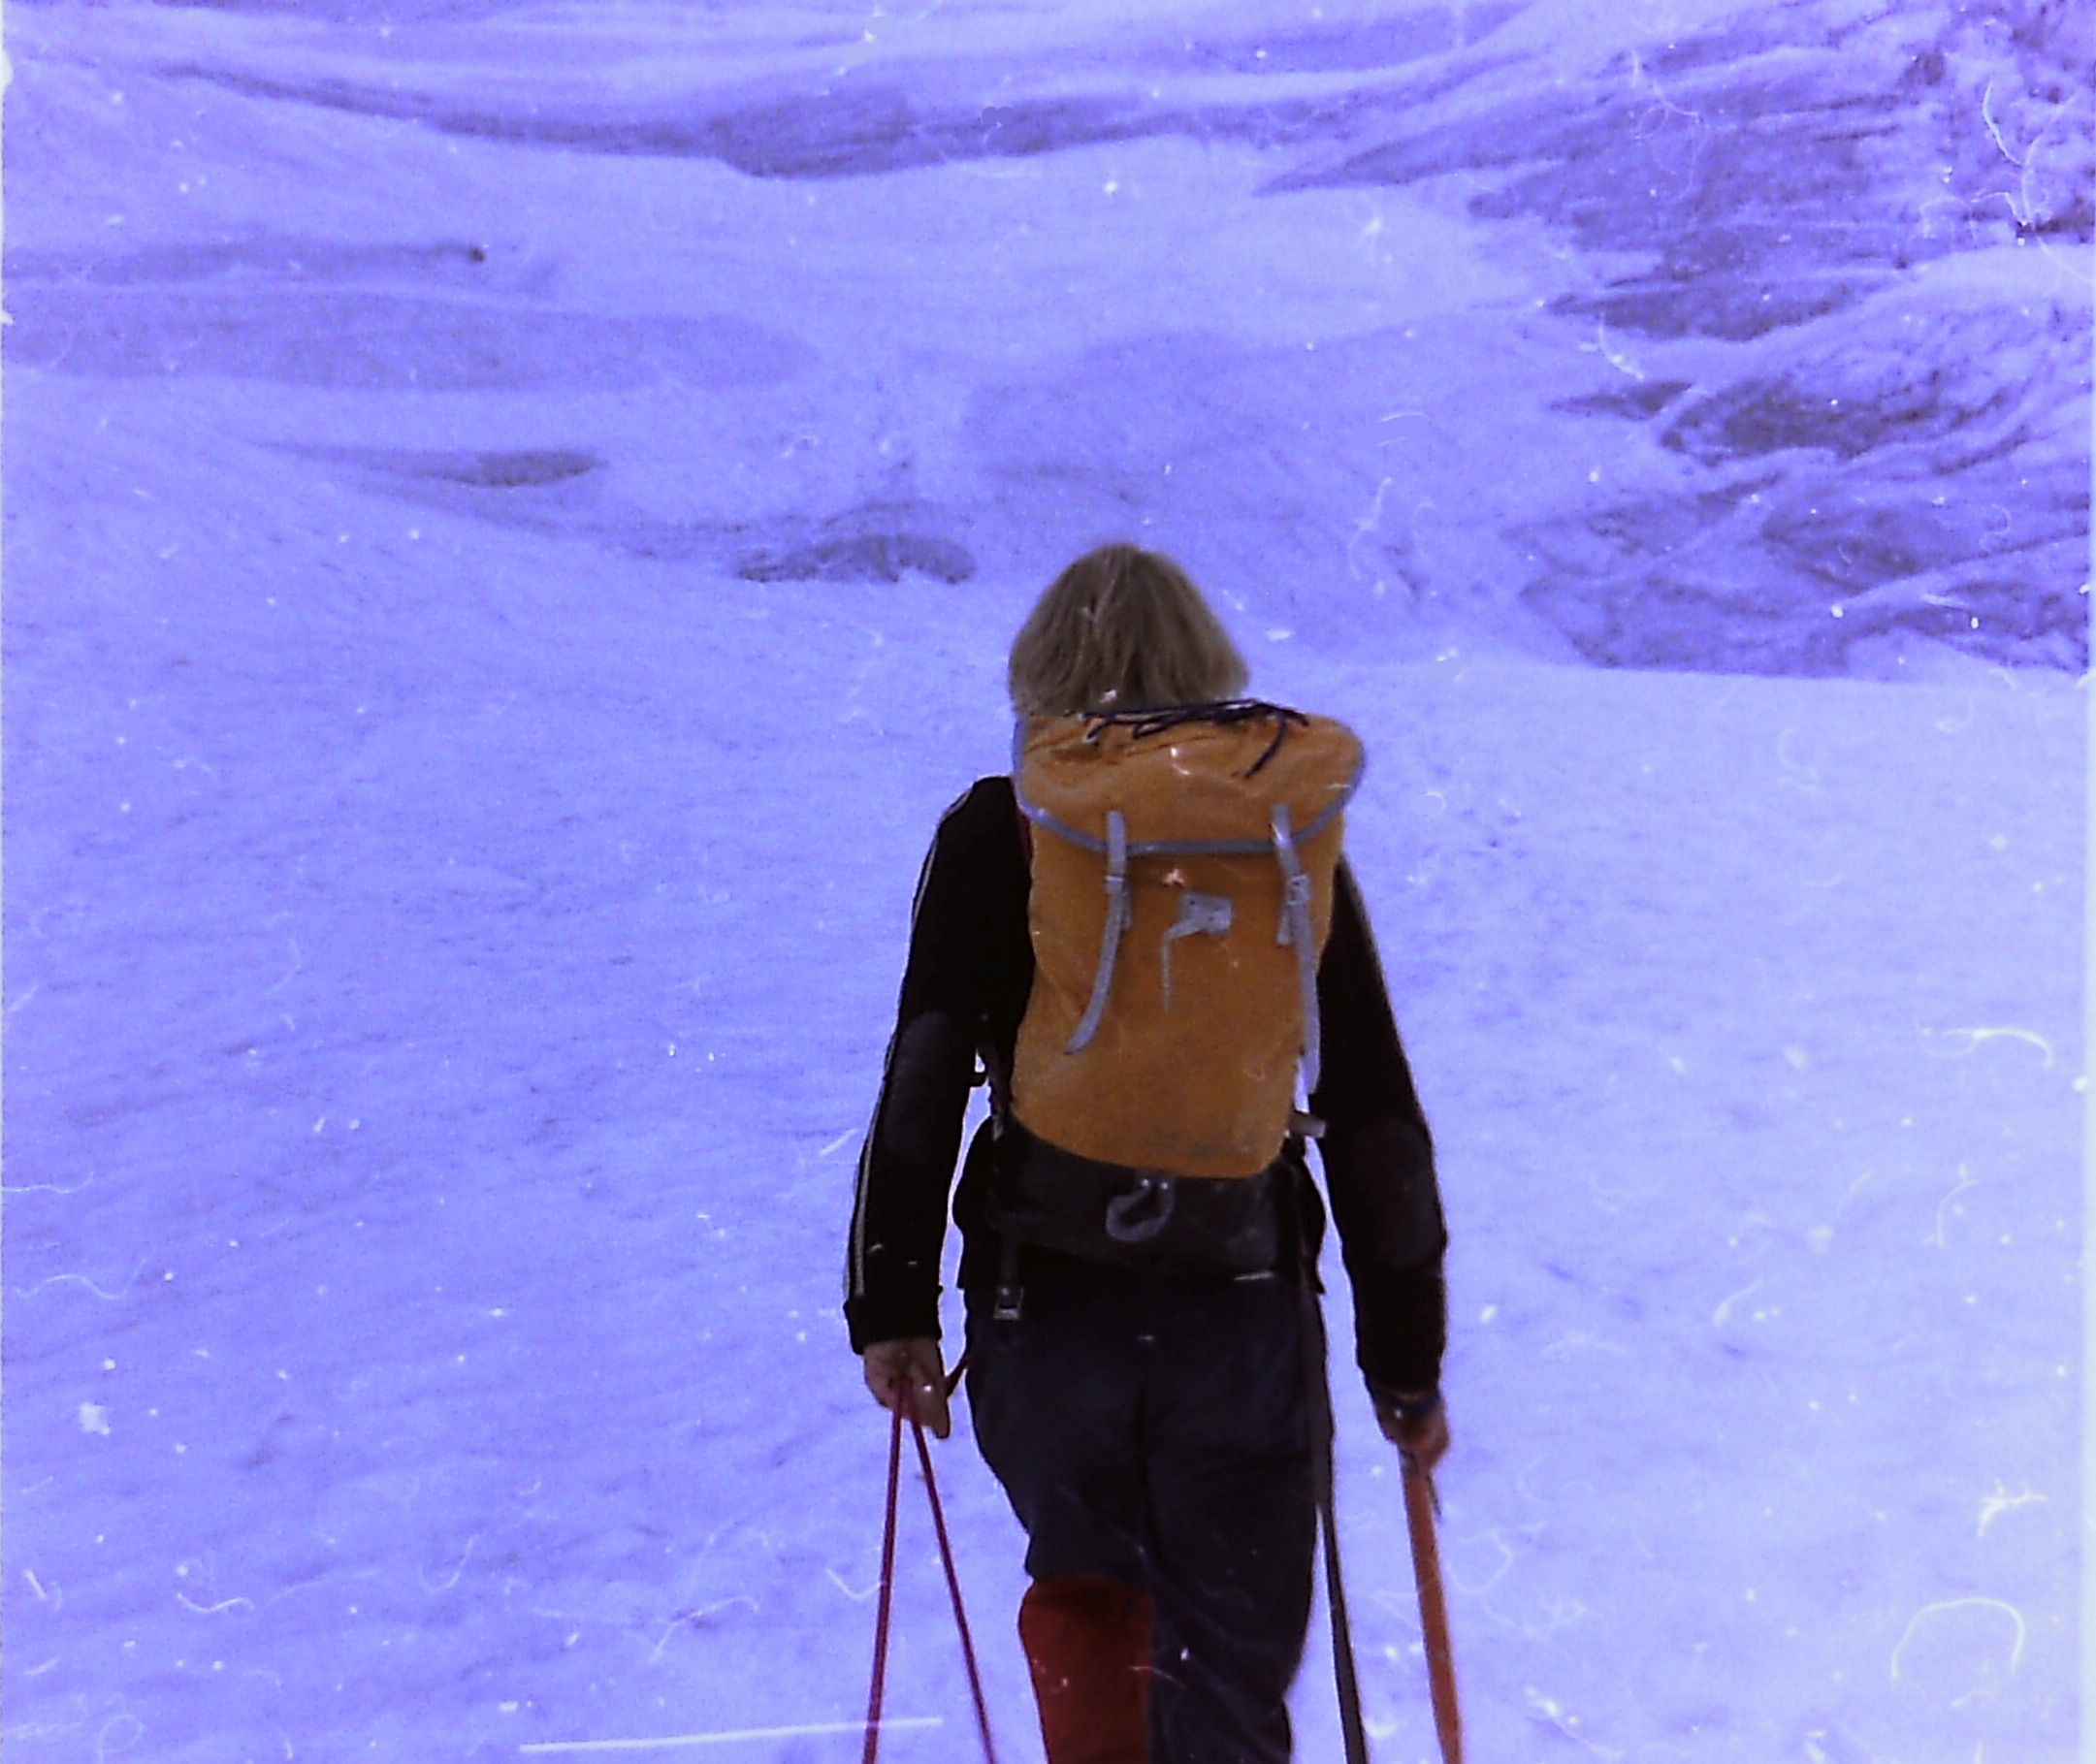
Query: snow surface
point(514, 514)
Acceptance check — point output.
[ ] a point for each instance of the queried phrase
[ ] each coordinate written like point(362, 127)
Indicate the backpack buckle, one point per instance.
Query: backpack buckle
point(1138, 1216)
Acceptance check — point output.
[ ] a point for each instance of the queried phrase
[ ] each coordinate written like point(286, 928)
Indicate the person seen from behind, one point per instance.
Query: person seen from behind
point(1148, 940)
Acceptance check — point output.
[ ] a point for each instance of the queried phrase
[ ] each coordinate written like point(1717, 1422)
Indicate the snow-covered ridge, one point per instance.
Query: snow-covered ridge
point(1802, 445)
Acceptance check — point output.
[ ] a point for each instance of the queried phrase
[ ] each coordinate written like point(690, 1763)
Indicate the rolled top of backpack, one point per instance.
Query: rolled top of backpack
point(1191, 780)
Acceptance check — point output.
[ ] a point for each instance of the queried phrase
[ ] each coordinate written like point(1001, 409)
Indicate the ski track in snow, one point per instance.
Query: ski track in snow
point(515, 514)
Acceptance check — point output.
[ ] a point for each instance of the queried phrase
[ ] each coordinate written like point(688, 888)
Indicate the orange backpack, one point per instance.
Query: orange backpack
point(1182, 878)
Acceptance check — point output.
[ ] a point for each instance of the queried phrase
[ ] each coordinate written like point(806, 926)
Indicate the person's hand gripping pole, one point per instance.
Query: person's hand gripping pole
point(908, 1377)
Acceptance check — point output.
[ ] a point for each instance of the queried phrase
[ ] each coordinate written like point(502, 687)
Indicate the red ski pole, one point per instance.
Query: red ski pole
point(881, 1617)
point(879, 1691)
point(1419, 1505)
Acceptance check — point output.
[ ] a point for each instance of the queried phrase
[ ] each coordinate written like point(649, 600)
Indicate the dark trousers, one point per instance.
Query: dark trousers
point(1154, 1429)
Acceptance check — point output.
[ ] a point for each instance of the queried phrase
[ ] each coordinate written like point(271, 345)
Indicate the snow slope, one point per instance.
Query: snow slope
point(513, 517)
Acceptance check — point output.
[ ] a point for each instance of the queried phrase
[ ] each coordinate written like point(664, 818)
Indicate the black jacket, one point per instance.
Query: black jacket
point(965, 989)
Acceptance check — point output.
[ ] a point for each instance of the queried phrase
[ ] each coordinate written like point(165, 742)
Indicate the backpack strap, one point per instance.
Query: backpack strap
point(1296, 929)
point(1119, 915)
point(1200, 915)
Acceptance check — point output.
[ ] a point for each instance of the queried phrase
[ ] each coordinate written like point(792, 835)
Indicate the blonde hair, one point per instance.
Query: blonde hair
point(1121, 629)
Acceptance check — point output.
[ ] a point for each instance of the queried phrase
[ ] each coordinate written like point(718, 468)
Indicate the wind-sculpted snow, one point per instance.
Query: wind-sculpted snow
point(559, 493)
point(823, 125)
point(368, 13)
point(1772, 188)
point(1771, 170)
point(878, 544)
point(1881, 477)
point(864, 131)
point(525, 468)
point(1786, 179)
point(379, 341)
point(288, 259)
point(515, 515)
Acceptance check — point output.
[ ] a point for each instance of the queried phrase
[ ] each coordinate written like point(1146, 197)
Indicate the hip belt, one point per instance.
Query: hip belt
point(1138, 1220)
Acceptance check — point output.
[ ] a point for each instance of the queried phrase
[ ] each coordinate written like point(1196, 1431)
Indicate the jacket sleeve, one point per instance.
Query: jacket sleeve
point(1378, 1161)
point(905, 1166)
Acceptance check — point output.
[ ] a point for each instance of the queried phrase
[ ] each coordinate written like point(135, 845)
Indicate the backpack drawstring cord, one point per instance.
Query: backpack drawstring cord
point(1142, 725)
